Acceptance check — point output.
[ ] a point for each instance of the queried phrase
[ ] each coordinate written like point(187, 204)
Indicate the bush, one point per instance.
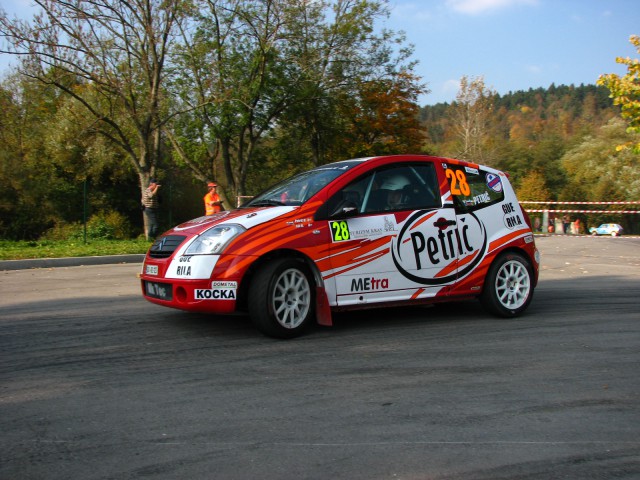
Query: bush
point(102, 226)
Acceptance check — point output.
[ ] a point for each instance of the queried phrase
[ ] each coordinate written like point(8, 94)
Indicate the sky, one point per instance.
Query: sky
point(512, 44)
point(515, 44)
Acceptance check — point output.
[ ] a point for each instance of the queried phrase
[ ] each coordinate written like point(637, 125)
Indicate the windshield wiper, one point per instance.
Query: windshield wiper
point(266, 203)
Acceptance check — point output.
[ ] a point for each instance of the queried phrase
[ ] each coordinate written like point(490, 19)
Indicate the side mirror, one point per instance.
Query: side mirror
point(344, 212)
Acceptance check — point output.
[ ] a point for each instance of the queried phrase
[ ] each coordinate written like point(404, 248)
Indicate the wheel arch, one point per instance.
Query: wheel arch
point(520, 251)
point(323, 310)
point(506, 300)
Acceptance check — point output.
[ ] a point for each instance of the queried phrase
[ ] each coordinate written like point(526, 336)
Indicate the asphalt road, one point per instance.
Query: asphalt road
point(96, 383)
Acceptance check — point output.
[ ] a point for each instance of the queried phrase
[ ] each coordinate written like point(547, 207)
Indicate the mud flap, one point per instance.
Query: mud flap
point(323, 310)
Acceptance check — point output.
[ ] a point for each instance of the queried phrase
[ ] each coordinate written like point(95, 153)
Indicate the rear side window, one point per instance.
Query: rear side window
point(473, 188)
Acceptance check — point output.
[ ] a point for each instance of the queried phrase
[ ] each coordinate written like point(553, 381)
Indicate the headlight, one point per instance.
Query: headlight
point(214, 240)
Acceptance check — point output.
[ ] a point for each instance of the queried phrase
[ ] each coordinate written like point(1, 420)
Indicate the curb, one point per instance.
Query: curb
point(69, 262)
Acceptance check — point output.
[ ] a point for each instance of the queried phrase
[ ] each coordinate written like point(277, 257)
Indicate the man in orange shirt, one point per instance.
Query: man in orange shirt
point(212, 202)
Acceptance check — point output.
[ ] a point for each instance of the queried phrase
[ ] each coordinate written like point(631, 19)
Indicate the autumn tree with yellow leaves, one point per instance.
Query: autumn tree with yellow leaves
point(625, 92)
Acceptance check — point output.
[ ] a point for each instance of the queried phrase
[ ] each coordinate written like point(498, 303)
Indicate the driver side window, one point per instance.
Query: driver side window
point(401, 187)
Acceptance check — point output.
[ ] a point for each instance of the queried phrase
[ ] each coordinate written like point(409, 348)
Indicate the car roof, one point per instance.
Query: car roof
point(400, 157)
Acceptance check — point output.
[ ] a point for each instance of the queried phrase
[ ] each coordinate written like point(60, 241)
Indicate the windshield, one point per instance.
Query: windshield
point(298, 189)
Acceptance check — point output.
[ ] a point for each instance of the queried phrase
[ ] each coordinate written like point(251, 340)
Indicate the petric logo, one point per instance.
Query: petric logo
point(428, 247)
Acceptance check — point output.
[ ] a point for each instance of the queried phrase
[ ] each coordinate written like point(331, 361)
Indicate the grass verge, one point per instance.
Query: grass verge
point(67, 248)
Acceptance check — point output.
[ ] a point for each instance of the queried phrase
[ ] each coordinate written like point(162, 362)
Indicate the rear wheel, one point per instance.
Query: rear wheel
point(281, 298)
point(508, 288)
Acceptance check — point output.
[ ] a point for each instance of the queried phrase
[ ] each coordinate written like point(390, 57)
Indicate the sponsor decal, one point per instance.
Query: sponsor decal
point(302, 222)
point(224, 284)
point(358, 228)
point(220, 290)
point(511, 218)
point(191, 266)
point(482, 198)
point(184, 270)
point(369, 284)
point(214, 294)
point(471, 170)
point(420, 256)
point(494, 182)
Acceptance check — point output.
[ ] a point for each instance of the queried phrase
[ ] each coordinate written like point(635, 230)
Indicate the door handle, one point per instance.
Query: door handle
point(443, 223)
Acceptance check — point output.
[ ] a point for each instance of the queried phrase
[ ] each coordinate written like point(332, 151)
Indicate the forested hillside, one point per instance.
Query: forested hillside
point(526, 131)
point(557, 143)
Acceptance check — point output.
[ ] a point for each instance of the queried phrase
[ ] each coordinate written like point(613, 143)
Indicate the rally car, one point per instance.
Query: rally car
point(361, 233)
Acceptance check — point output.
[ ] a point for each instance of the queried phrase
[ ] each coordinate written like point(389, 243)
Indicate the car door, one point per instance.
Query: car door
point(391, 238)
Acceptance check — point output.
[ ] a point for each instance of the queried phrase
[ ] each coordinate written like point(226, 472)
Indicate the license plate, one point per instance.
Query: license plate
point(151, 269)
point(163, 291)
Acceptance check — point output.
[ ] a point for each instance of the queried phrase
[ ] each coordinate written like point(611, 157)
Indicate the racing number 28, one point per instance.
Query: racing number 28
point(459, 185)
point(340, 231)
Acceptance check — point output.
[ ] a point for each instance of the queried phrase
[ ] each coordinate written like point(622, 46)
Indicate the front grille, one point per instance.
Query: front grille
point(165, 246)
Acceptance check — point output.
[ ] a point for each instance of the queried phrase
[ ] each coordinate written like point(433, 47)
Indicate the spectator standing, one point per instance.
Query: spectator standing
point(577, 227)
point(212, 201)
point(150, 205)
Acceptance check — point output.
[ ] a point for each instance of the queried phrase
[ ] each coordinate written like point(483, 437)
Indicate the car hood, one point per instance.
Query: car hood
point(247, 217)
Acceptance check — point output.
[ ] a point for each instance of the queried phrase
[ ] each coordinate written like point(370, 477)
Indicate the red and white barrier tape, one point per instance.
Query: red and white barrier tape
point(608, 212)
point(582, 203)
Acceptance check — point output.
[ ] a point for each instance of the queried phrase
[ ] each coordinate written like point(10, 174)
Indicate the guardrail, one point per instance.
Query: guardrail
point(556, 224)
point(581, 210)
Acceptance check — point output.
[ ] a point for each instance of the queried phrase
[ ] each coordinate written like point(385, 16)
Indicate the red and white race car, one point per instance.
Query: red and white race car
point(362, 233)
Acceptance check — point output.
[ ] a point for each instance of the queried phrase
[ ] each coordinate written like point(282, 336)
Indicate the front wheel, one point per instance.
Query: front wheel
point(508, 288)
point(281, 299)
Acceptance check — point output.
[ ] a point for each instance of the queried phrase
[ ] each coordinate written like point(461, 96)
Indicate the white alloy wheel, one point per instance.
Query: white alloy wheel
point(291, 298)
point(508, 287)
point(513, 284)
point(281, 298)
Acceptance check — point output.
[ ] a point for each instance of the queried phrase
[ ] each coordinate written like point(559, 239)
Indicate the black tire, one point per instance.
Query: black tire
point(508, 287)
point(282, 299)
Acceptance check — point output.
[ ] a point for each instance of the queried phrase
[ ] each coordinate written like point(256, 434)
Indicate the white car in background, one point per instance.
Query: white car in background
point(612, 229)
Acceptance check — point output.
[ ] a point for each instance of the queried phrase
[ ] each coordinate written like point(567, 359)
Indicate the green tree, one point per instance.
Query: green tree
point(49, 163)
point(601, 173)
point(625, 92)
point(257, 70)
point(110, 57)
